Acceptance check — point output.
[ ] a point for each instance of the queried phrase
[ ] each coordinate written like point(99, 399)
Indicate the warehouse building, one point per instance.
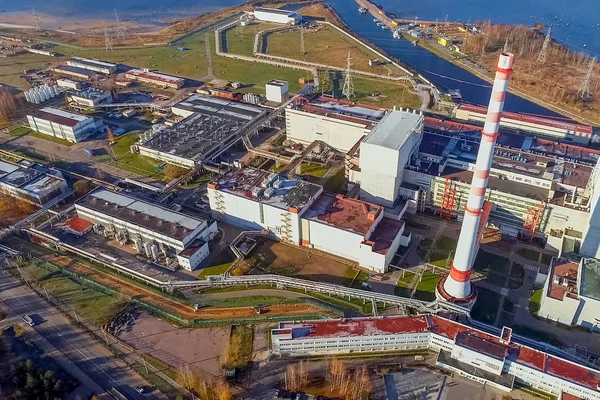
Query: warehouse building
point(210, 124)
point(90, 97)
point(74, 72)
point(571, 294)
point(300, 213)
point(64, 125)
point(69, 84)
point(33, 183)
point(337, 123)
point(93, 65)
point(154, 78)
point(552, 128)
point(155, 231)
point(498, 361)
point(277, 15)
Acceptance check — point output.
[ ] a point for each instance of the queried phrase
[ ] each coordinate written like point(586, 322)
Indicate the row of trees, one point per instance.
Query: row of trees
point(203, 389)
point(11, 207)
point(556, 81)
point(349, 384)
point(8, 106)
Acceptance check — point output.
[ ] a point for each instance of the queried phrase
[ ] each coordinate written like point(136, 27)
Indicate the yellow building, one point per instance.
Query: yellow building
point(444, 41)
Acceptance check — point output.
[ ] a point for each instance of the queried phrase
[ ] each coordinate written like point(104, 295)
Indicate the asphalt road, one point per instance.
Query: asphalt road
point(95, 366)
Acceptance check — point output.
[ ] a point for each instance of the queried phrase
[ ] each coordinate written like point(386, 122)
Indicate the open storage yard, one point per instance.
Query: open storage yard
point(282, 259)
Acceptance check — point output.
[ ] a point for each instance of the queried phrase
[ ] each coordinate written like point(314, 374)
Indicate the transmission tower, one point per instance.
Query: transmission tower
point(506, 48)
point(348, 90)
point(302, 50)
point(119, 30)
point(107, 40)
point(544, 52)
point(36, 19)
point(584, 89)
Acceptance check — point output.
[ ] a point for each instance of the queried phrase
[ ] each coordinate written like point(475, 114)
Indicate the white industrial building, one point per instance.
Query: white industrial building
point(339, 124)
point(553, 128)
point(90, 97)
point(276, 15)
point(33, 183)
point(300, 213)
point(384, 155)
point(277, 91)
point(93, 65)
point(154, 230)
point(69, 84)
point(63, 124)
point(497, 361)
point(571, 293)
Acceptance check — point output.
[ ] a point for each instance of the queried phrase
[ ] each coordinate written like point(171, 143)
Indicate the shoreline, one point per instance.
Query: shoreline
point(517, 92)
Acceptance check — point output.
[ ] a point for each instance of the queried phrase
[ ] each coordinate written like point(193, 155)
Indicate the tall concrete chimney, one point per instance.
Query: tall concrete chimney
point(456, 287)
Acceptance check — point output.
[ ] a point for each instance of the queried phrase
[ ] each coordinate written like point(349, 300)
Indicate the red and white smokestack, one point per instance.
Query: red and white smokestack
point(457, 286)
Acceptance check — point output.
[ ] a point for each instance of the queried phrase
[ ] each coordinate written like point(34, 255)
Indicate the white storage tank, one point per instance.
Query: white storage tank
point(154, 249)
point(148, 249)
point(139, 247)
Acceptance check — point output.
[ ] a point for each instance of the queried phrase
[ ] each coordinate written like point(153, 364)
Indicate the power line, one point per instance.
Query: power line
point(36, 19)
point(348, 90)
point(544, 52)
point(506, 48)
point(119, 29)
point(584, 89)
point(107, 40)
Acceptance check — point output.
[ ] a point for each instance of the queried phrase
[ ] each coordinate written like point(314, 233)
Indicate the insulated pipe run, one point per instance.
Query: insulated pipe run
point(458, 284)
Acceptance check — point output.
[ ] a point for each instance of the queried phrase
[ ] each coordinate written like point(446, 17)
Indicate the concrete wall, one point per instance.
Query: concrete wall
point(479, 359)
point(335, 240)
point(303, 127)
point(195, 259)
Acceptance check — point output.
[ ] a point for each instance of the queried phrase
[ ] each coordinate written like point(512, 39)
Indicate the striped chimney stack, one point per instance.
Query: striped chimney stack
point(457, 286)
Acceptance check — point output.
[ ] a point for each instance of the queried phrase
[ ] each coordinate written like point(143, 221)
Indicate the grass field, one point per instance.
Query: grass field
point(17, 130)
point(89, 304)
point(250, 301)
point(12, 67)
point(214, 270)
point(426, 288)
point(335, 183)
point(136, 163)
point(241, 41)
point(326, 46)
point(437, 253)
point(403, 285)
point(535, 301)
point(314, 170)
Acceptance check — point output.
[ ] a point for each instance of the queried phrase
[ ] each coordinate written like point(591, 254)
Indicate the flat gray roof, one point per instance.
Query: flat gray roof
point(274, 11)
point(150, 216)
point(212, 121)
point(394, 129)
point(590, 279)
point(29, 179)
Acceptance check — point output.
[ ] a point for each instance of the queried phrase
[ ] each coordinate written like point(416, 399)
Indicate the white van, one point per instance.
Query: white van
point(28, 320)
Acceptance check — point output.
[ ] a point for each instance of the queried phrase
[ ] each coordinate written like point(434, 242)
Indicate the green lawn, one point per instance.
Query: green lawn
point(403, 285)
point(315, 170)
point(250, 301)
point(215, 270)
point(326, 46)
point(362, 277)
point(88, 303)
point(426, 288)
point(50, 138)
point(535, 301)
point(241, 40)
point(135, 163)
point(437, 253)
point(11, 68)
point(17, 130)
point(446, 243)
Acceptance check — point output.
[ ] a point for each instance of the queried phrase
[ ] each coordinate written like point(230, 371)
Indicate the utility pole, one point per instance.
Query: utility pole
point(584, 89)
point(302, 50)
point(36, 19)
point(544, 52)
point(120, 32)
point(348, 90)
point(107, 40)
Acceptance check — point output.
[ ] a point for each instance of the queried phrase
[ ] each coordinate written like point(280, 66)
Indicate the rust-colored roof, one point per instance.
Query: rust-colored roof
point(350, 214)
point(359, 327)
point(573, 372)
point(488, 347)
point(78, 224)
point(385, 233)
point(567, 396)
point(566, 271)
point(584, 130)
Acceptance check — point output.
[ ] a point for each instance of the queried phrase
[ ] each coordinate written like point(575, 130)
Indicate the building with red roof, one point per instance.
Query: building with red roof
point(557, 129)
point(497, 361)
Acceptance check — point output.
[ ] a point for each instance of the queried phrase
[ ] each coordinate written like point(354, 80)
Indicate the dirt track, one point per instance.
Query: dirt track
point(172, 306)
